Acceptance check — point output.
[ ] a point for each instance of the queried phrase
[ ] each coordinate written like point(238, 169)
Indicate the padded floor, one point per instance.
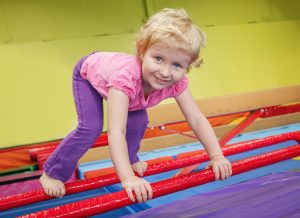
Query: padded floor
point(275, 195)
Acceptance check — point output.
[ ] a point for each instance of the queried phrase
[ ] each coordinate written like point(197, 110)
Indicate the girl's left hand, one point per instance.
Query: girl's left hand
point(140, 167)
point(221, 167)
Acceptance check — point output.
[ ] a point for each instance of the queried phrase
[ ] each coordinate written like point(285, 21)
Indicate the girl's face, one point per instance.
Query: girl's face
point(163, 67)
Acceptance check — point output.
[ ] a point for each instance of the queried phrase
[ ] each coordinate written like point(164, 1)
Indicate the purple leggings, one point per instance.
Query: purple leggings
point(89, 106)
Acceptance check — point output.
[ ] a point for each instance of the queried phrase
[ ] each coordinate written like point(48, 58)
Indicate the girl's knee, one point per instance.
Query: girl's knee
point(144, 117)
point(138, 118)
point(92, 131)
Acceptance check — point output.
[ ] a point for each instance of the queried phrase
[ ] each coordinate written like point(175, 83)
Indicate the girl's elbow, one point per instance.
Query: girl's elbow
point(115, 135)
point(196, 120)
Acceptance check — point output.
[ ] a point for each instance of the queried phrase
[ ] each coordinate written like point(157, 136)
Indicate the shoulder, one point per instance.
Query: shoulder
point(125, 74)
point(118, 58)
point(123, 62)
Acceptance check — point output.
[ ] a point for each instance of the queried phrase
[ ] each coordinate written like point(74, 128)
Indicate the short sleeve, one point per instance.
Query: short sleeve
point(123, 81)
point(180, 86)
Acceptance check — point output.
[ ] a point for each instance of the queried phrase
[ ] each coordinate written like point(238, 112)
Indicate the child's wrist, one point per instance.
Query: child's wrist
point(127, 178)
point(216, 155)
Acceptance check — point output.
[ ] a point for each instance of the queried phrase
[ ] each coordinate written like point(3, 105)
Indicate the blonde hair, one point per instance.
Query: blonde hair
point(175, 29)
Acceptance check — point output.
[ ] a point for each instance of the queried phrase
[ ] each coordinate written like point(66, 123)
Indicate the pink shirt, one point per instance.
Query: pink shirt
point(122, 71)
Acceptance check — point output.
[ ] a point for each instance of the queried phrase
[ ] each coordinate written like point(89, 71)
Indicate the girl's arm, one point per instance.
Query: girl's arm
point(117, 110)
point(205, 134)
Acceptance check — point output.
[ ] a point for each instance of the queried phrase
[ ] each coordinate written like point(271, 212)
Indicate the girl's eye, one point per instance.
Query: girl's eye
point(176, 65)
point(157, 58)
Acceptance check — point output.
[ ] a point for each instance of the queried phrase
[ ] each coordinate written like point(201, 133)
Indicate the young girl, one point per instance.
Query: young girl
point(167, 47)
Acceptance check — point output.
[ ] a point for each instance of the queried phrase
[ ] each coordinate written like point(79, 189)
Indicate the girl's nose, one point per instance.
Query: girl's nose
point(165, 72)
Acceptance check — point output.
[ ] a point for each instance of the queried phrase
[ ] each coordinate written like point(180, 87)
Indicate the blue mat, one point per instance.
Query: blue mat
point(275, 195)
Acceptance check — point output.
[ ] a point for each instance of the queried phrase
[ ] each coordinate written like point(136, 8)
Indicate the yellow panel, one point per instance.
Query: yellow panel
point(35, 85)
point(245, 58)
point(220, 12)
point(33, 20)
point(216, 12)
point(3, 27)
point(285, 9)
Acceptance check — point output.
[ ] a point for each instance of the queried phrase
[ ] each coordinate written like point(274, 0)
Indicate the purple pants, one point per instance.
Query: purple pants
point(89, 106)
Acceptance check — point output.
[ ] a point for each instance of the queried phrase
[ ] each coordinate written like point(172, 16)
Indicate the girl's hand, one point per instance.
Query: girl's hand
point(140, 167)
point(221, 167)
point(141, 188)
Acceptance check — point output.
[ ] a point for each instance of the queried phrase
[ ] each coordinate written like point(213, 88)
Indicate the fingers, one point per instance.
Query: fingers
point(222, 170)
point(226, 171)
point(130, 194)
point(229, 170)
point(138, 194)
point(149, 190)
point(141, 194)
point(216, 171)
point(208, 166)
point(140, 187)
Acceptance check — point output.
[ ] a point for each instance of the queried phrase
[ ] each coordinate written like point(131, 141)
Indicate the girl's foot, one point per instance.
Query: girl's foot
point(52, 187)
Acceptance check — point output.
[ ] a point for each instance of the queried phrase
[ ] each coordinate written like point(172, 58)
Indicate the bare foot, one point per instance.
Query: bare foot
point(52, 187)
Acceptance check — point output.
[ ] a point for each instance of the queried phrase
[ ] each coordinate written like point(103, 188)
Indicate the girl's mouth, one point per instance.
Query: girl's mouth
point(162, 80)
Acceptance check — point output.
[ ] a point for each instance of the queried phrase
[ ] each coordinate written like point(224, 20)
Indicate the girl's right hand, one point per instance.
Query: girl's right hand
point(141, 188)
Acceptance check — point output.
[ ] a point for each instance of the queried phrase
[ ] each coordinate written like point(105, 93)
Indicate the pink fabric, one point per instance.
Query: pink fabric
point(123, 71)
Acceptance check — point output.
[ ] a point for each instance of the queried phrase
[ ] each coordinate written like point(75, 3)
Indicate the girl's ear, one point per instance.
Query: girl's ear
point(141, 56)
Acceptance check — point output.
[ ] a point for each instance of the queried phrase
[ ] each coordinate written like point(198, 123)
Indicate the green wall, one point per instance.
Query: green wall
point(252, 45)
